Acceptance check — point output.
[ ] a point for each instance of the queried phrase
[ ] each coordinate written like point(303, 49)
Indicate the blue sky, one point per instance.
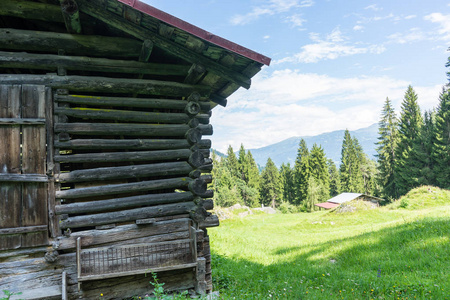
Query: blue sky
point(334, 62)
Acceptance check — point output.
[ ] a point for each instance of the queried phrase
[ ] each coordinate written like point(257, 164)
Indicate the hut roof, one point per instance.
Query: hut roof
point(344, 197)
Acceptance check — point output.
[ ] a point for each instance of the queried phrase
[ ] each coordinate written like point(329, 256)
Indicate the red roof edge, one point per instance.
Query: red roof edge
point(327, 205)
point(194, 30)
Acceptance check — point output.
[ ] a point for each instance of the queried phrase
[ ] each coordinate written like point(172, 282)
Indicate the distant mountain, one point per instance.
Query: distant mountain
point(286, 151)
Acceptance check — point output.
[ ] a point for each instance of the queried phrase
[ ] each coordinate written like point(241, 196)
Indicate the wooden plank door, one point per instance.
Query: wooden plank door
point(23, 183)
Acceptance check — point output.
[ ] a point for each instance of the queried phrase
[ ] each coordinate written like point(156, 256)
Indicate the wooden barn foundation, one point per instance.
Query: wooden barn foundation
point(104, 164)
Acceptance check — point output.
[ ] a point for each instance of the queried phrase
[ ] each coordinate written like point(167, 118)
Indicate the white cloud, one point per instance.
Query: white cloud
point(289, 103)
point(444, 24)
point(296, 20)
point(332, 47)
point(410, 17)
point(373, 7)
point(272, 7)
point(413, 35)
point(266, 37)
point(358, 28)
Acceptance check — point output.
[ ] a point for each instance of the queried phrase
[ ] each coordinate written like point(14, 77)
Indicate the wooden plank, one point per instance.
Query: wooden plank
point(164, 43)
point(71, 15)
point(122, 233)
point(115, 189)
point(21, 121)
point(123, 115)
point(133, 171)
point(210, 221)
point(27, 10)
point(22, 178)
point(162, 155)
point(121, 203)
point(51, 62)
point(18, 230)
point(127, 215)
point(91, 45)
point(10, 193)
point(107, 84)
point(34, 195)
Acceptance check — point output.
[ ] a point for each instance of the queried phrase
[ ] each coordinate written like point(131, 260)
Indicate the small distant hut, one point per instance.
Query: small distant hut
point(104, 105)
point(346, 197)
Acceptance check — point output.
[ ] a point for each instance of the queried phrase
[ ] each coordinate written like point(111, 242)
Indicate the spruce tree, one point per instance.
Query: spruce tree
point(302, 172)
point(387, 142)
point(242, 164)
point(407, 165)
point(287, 183)
point(232, 162)
point(335, 181)
point(270, 189)
point(319, 171)
point(352, 157)
point(441, 145)
point(423, 148)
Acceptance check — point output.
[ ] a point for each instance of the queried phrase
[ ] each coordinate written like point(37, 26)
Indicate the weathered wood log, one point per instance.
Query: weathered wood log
point(198, 214)
point(106, 84)
point(193, 123)
point(206, 168)
point(200, 286)
point(123, 115)
point(164, 43)
point(134, 171)
point(123, 233)
point(207, 194)
point(71, 15)
point(129, 102)
point(146, 50)
point(51, 62)
point(197, 186)
point(22, 121)
point(206, 129)
point(219, 100)
point(4, 177)
point(177, 130)
point(195, 174)
point(193, 136)
point(207, 178)
point(195, 74)
point(210, 221)
point(196, 159)
point(27, 229)
point(163, 155)
point(208, 204)
point(127, 215)
point(100, 46)
point(113, 189)
point(195, 97)
point(120, 203)
point(192, 108)
point(27, 10)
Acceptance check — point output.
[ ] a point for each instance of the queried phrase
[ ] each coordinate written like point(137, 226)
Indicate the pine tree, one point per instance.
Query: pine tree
point(335, 181)
point(224, 185)
point(319, 171)
point(387, 142)
point(407, 165)
point(287, 182)
point(302, 172)
point(242, 164)
point(270, 189)
point(232, 162)
point(352, 157)
point(423, 148)
point(441, 145)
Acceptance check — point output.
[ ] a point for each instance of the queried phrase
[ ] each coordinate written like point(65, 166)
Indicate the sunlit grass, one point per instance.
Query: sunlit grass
point(383, 253)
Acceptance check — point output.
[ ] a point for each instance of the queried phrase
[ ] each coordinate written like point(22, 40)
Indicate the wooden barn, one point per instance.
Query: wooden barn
point(104, 164)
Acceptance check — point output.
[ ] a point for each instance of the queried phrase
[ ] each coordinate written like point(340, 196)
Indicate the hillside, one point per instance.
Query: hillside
point(286, 151)
point(381, 253)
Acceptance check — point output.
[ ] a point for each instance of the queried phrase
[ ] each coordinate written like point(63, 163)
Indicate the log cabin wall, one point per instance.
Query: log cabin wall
point(109, 109)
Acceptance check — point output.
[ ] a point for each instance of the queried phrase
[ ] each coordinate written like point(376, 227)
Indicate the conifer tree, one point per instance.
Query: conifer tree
point(232, 162)
point(302, 172)
point(387, 142)
point(335, 181)
point(270, 189)
point(407, 165)
point(287, 183)
point(423, 148)
point(242, 164)
point(319, 171)
point(352, 157)
point(441, 145)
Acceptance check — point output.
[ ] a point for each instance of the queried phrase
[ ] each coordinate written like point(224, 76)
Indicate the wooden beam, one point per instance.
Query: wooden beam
point(129, 129)
point(106, 84)
point(71, 15)
point(146, 51)
point(121, 203)
point(133, 171)
point(127, 215)
point(20, 121)
point(115, 189)
point(51, 62)
point(28, 10)
point(19, 230)
point(128, 102)
point(91, 45)
point(195, 74)
point(162, 42)
point(4, 177)
point(162, 155)
point(123, 115)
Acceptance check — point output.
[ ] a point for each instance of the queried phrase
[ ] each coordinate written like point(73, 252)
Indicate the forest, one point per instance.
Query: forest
point(413, 150)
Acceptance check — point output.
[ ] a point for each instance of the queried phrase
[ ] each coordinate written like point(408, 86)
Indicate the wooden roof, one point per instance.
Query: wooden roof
point(185, 53)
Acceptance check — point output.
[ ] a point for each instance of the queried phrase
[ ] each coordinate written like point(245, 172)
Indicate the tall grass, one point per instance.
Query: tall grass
point(382, 253)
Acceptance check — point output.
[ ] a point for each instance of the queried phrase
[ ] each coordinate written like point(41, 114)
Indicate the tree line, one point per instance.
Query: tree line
point(413, 150)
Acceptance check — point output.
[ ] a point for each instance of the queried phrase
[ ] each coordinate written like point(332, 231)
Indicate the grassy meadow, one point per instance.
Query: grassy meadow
point(400, 251)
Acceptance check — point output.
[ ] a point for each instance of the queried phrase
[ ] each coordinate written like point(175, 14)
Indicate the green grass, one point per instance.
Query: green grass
point(382, 253)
